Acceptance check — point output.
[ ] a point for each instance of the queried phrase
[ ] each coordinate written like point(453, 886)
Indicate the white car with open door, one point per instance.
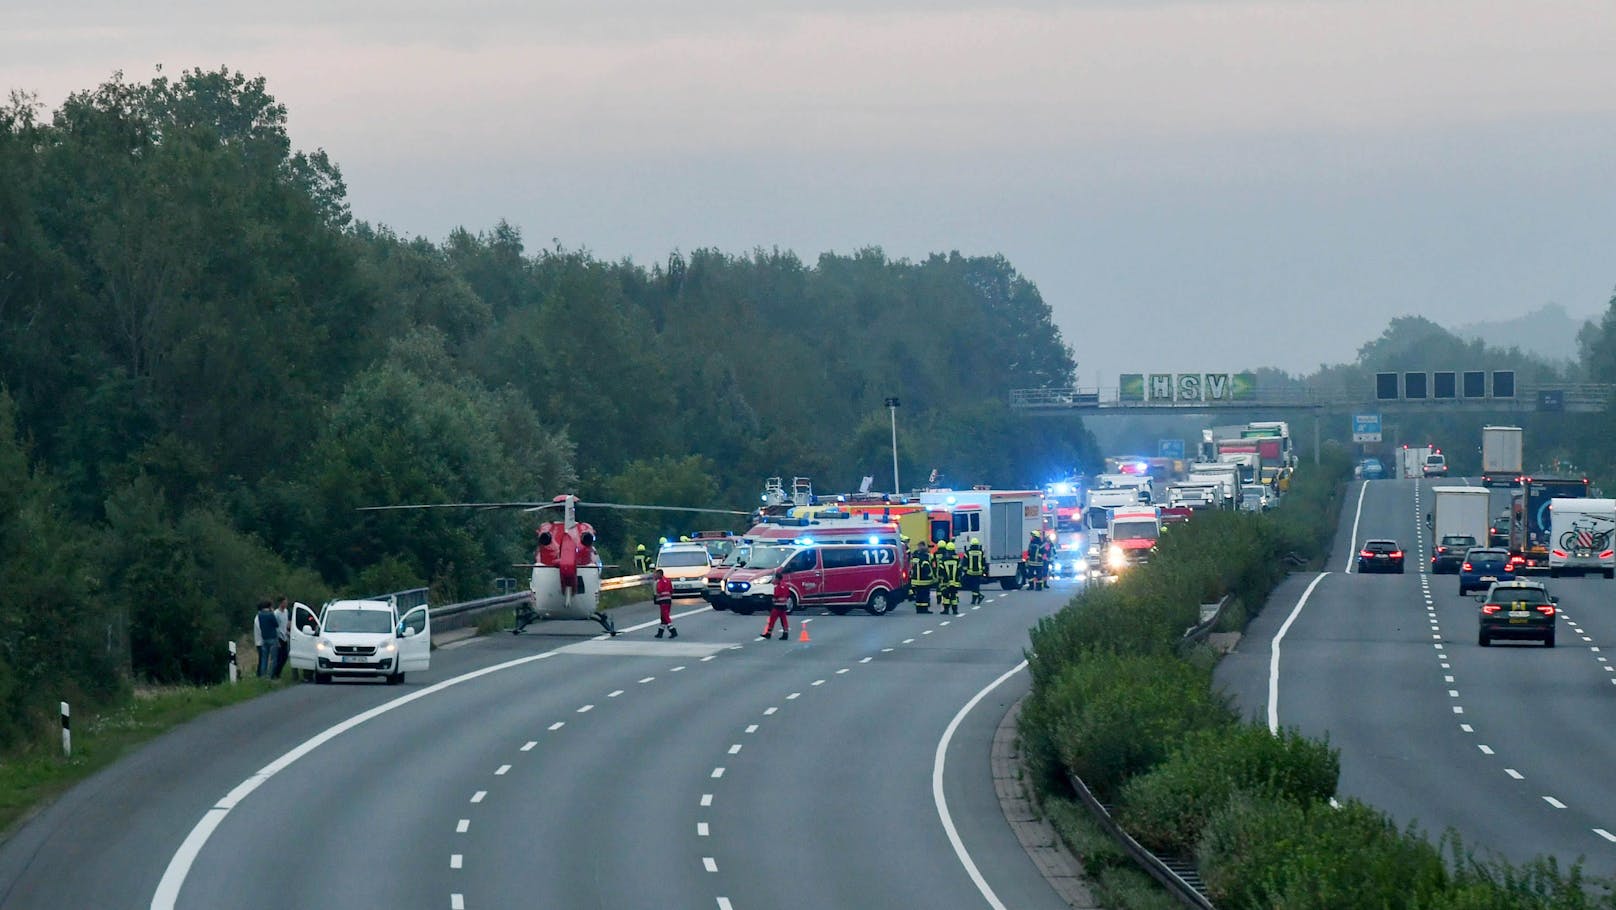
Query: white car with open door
point(357, 638)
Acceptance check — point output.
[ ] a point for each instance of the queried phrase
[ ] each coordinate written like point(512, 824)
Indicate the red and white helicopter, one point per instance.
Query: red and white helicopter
point(566, 571)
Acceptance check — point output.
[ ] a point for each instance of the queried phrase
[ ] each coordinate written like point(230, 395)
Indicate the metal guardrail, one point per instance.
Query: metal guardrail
point(1179, 878)
point(1200, 630)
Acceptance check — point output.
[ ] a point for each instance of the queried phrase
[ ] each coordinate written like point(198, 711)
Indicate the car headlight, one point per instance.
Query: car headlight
point(1116, 558)
point(1055, 566)
point(322, 645)
point(388, 648)
point(764, 580)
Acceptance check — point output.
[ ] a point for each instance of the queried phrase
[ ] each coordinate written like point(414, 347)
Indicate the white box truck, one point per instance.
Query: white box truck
point(1226, 475)
point(1003, 520)
point(1460, 520)
point(1411, 461)
point(1500, 456)
point(1581, 537)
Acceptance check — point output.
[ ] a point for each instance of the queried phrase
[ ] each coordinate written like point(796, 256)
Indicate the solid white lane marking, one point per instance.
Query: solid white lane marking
point(462, 826)
point(1554, 802)
point(1605, 834)
point(751, 728)
point(502, 770)
point(768, 711)
point(614, 693)
point(701, 829)
point(1467, 728)
point(710, 863)
point(717, 773)
point(528, 746)
point(558, 725)
point(457, 902)
point(1352, 554)
point(586, 709)
point(1515, 774)
point(706, 799)
point(735, 748)
point(1485, 750)
point(938, 762)
point(478, 796)
point(456, 860)
point(646, 680)
point(1273, 657)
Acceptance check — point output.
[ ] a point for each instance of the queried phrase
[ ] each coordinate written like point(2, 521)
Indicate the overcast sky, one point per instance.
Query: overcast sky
point(1194, 186)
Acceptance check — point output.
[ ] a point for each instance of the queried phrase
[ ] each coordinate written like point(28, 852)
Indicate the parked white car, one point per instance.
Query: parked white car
point(360, 638)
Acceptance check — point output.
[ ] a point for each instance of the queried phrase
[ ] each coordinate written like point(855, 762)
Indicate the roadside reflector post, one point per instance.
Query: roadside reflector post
point(67, 732)
point(233, 672)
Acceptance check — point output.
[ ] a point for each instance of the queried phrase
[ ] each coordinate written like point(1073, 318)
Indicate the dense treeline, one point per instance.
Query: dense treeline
point(206, 364)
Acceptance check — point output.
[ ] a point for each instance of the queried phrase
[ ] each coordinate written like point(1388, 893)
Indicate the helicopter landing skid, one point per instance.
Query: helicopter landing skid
point(607, 624)
point(525, 616)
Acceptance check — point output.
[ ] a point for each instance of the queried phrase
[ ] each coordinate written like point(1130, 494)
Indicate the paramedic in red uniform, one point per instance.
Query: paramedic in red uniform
point(664, 602)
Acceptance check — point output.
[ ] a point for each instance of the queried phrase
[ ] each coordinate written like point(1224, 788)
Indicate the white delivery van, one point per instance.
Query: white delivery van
point(1581, 537)
point(360, 638)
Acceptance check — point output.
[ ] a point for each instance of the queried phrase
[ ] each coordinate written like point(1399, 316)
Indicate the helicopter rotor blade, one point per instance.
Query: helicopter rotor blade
point(624, 505)
point(525, 506)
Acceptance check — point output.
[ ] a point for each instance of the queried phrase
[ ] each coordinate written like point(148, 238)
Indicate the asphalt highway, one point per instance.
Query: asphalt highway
point(1509, 745)
point(716, 770)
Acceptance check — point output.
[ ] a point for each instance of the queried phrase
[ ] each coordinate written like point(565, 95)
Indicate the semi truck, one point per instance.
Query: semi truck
point(1529, 519)
point(1457, 512)
point(1582, 535)
point(1500, 456)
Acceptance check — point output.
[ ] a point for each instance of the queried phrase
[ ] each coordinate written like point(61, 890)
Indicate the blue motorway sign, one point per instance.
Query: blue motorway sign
point(1366, 428)
point(1170, 448)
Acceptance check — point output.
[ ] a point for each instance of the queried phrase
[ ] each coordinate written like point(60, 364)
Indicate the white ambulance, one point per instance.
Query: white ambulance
point(1003, 520)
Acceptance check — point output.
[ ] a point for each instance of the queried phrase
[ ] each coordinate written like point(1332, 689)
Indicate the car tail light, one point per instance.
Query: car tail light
point(1607, 554)
point(1560, 553)
point(1466, 567)
point(1490, 609)
point(1546, 609)
point(1397, 554)
point(1367, 554)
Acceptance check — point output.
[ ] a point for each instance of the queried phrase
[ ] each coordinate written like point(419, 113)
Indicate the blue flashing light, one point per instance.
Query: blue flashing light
point(950, 500)
point(874, 541)
point(805, 541)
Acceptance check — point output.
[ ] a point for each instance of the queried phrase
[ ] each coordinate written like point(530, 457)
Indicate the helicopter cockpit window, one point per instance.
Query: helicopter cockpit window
point(358, 621)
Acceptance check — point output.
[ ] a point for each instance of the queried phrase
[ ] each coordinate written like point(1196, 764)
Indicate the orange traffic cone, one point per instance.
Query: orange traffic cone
point(804, 635)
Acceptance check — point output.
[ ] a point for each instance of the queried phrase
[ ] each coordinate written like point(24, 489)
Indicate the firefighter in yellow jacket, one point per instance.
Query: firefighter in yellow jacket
point(976, 569)
point(922, 577)
point(950, 577)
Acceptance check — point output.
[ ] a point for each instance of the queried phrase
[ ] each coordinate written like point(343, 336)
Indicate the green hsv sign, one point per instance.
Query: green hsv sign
point(1211, 388)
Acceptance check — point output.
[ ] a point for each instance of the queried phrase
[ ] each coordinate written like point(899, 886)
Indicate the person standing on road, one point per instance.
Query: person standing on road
point(642, 561)
point(1035, 562)
point(777, 610)
point(283, 645)
point(921, 577)
point(976, 569)
point(950, 578)
point(664, 602)
point(266, 636)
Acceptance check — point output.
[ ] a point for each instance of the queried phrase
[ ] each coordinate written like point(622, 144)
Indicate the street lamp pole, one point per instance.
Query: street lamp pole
point(892, 406)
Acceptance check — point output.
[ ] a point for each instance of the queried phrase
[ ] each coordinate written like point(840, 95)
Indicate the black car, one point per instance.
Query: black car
point(1517, 609)
point(1498, 534)
point(1380, 556)
point(1450, 553)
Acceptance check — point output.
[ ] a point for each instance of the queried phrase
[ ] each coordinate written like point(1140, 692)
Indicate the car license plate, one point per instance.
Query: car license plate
point(1520, 614)
point(1489, 578)
point(354, 659)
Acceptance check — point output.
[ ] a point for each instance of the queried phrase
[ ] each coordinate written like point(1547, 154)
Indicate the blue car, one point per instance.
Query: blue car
point(1482, 567)
point(1371, 469)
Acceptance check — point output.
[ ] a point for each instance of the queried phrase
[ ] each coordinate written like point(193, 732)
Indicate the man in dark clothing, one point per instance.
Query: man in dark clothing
point(266, 635)
point(921, 577)
point(976, 569)
point(950, 578)
point(642, 562)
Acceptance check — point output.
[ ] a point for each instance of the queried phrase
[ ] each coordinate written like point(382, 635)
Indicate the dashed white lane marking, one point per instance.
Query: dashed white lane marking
point(1457, 709)
point(735, 748)
point(819, 682)
point(768, 711)
point(793, 695)
point(478, 796)
point(710, 863)
point(717, 773)
point(708, 657)
point(462, 826)
point(456, 860)
point(1437, 646)
point(676, 669)
point(558, 725)
point(751, 728)
point(1447, 679)
point(457, 902)
point(646, 680)
point(1446, 667)
point(1436, 635)
point(1605, 834)
point(1453, 693)
point(586, 709)
point(528, 746)
point(1485, 750)
point(865, 660)
point(1595, 649)
point(1554, 802)
point(701, 829)
point(945, 622)
point(1467, 728)
point(1515, 774)
point(928, 632)
point(502, 770)
point(886, 650)
point(614, 693)
point(842, 670)
point(706, 799)
point(908, 641)
point(724, 904)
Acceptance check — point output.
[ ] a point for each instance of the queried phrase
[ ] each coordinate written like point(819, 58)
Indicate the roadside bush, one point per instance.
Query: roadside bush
point(1260, 852)
point(1167, 808)
point(1111, 716)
